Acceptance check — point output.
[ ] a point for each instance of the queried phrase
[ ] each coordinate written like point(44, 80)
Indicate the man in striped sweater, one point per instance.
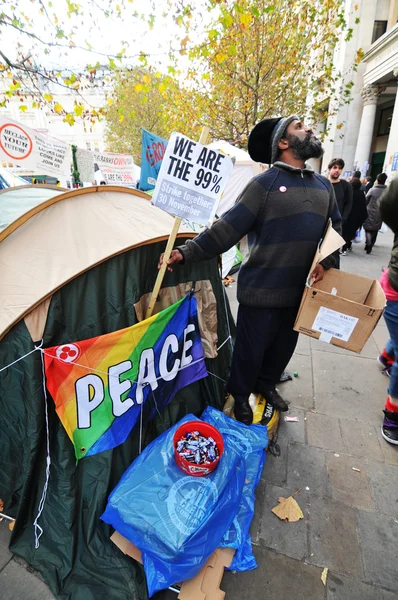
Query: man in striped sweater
point(283, 212)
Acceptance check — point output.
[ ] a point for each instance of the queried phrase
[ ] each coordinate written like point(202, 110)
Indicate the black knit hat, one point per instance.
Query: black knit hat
point(264, 138)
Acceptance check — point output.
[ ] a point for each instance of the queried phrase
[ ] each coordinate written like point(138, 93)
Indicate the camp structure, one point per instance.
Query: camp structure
point(16, 201)
point(79, 265)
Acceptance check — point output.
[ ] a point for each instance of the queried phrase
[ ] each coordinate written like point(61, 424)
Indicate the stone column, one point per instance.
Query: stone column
point(392, 144)
point(370, 95)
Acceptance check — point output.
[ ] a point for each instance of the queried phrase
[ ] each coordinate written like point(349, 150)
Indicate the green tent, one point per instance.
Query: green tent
point(79, 265)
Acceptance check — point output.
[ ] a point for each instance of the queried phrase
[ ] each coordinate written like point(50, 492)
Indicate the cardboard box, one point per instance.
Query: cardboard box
point(205, 585)
point(343, 309)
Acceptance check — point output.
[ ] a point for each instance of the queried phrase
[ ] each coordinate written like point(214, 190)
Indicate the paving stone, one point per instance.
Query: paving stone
point(384, 479)
point(275, 468)
point(292, 431)
point(389, 451)
point(340, 587)
point(380, 336)
point(345, 387)
point(385, 595)
point(255, 527)
point(303, 345)
point(277, 578)
point(333, 537)
point(361, 439)
point(5, 534)
point(324, 432)
point(348, 486)
point(289, 539)
point(299, 391)
point(378, 535)
point(307, 468)
point(16, 583)
point(370, 349)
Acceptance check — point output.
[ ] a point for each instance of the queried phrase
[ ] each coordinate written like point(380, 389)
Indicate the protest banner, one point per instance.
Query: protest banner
point(24, 147)
point(85, 165)
point(153, 151)
point(98, 385)
point(191, 180)
point(116, 168)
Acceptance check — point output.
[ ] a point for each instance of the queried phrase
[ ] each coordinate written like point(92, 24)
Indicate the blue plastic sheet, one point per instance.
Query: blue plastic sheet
point(251, 443)
point(177, 521)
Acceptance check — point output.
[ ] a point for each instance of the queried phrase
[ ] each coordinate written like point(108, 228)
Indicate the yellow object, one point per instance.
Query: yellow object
point(261, 411)
point(288, 510)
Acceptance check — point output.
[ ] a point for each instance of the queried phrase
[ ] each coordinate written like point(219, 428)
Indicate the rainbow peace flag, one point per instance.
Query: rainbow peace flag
point(98, 385)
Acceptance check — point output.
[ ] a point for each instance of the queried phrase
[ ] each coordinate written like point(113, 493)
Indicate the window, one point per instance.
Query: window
point(385, 121)
point(88, 145)
point(379, 28)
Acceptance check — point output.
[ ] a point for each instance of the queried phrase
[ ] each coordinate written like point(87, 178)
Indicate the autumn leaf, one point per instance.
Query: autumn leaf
point(1, 505)
point(288, 510)
point(48, 97)
point(138, 87)
point(78, 109)
point(58, 108)
point(246, 19)
point(11, 525)
point(70, 119)
point(23, 108)
point(146, 79)
point(121, 118)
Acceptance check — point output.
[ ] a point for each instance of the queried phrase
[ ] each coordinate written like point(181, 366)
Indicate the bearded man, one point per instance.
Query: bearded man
point(283, 212)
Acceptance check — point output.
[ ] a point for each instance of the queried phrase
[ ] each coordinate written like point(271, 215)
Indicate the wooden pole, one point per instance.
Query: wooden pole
point(169, 247)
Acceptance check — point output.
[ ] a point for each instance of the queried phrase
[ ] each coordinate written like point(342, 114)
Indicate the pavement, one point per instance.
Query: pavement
point(350, 523)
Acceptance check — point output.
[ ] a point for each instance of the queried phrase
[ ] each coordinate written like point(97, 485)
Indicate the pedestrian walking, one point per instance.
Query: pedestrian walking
point(283, 212)
point(368, 183)
point(374, 221)
point(357, 216)
point(342, 190)
point(389, 283)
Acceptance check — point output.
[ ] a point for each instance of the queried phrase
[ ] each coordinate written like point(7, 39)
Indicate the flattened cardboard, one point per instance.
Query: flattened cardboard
point(346, 293)
point(205, 585)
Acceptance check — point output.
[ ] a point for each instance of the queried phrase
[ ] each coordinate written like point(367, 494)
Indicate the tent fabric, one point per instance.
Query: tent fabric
point(76, 557)
point(16, 201)
point(81, 229)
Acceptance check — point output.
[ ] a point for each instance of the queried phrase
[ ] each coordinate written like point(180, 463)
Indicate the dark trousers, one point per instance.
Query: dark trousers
point(265, 342)
point(371, 237)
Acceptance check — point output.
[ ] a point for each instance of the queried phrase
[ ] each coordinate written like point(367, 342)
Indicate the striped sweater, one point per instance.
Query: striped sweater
point(283, 212)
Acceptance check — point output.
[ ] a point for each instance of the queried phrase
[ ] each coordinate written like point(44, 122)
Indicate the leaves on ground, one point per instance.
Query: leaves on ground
point(288, 510)
point(324, 575)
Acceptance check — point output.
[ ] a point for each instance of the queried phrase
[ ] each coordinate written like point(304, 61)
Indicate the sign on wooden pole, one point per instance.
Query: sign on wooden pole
point(189, 185)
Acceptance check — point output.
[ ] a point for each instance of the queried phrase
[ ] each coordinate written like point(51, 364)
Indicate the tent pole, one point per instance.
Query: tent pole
point(169, 247)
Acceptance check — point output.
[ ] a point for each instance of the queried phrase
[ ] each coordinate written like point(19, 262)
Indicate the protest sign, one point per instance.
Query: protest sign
point(33, 151)
point(98, 385)
point(116, 168)
point(191, 180)
point(85, 164)
point(153, 151)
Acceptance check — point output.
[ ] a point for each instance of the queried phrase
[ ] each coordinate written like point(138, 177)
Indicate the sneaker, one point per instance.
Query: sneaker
point(276, 400)
point(344, 253)
point(387, 371)
point(389, 429)
point(385, 363)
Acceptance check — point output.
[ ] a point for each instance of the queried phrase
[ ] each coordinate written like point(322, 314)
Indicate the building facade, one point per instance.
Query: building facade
point(364, 132)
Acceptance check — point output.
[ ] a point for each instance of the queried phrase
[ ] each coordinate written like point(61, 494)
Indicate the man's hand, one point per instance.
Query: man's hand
point(175, 257)
point(317, 274)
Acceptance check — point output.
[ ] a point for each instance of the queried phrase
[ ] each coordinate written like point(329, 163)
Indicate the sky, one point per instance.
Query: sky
point(103, 34)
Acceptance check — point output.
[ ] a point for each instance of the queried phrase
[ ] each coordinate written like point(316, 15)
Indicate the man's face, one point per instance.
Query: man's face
point(335, 172)
point(302, 141)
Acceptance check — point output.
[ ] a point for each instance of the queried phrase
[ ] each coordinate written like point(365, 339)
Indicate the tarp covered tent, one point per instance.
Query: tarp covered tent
point(244, 170)
point(16, 201)
point(79, 265)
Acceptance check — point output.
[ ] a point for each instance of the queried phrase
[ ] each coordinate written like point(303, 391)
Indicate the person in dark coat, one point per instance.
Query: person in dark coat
point(358, 213)
point(374, 221)
point(368, 183)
